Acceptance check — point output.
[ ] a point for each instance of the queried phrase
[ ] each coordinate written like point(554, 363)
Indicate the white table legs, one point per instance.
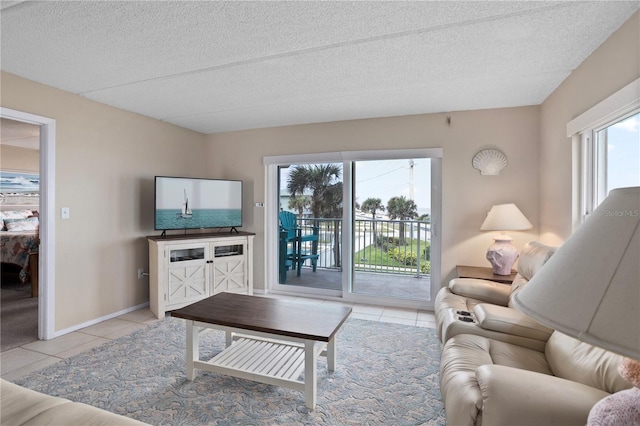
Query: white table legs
point(252, 363)
point(193, 348)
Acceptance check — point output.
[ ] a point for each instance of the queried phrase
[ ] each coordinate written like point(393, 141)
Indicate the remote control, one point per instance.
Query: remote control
point(466, 319)
point(464, 313)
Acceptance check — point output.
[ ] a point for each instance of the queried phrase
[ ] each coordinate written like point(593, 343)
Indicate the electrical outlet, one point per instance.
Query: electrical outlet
point(140, 273)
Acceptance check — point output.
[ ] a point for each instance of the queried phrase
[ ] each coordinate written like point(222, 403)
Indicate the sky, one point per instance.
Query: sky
point(623, 153)
point(392, 178)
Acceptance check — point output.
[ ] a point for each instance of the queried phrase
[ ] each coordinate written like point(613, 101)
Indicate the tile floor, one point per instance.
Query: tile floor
point(25, 359)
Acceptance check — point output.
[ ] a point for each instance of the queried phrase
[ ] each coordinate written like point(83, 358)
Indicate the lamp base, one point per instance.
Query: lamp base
point(502, 255)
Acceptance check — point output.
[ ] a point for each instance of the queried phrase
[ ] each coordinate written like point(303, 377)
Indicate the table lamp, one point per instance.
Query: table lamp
point(590, 290)
point(502, 254)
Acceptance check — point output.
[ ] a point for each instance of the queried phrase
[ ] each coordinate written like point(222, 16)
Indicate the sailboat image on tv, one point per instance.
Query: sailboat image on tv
point(186, 212)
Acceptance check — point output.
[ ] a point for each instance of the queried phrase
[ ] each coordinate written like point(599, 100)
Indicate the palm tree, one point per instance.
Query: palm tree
point(319, 178)
point(323, 180)
point(299, 203)
point(425, 218)
point(373, 205)
point(402, 209)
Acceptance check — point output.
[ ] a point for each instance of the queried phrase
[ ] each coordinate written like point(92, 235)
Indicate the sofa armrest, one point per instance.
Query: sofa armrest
point(512, 396)
point(488, 291)
point(510, 321)
point(22, 406)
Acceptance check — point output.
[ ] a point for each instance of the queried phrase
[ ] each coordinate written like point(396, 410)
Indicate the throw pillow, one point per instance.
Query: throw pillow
point(16, 214)
point(21, 225)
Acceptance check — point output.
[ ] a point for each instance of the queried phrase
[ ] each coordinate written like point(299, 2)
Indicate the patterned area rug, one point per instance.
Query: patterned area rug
point(385, 374)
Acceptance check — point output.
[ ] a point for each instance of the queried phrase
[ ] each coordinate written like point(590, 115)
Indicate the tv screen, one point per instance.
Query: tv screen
point(195, 203)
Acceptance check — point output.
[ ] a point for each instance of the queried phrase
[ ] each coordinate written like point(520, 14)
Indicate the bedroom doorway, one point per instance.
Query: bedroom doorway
point(19, 209)
point(45, 270)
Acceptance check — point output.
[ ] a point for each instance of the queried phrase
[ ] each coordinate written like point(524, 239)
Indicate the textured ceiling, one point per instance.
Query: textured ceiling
point(17, 133)
point(220, 66)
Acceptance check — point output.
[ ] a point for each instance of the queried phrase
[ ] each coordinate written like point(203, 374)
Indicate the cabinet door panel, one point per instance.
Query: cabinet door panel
point(229, 275)
point(187, 283)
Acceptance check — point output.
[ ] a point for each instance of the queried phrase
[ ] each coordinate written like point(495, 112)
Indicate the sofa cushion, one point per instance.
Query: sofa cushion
point(524, 398)
point(487, 291)
point(581, 362)
point(461, 356)
point(532, 257)
point(510, 321)
point(22, 406)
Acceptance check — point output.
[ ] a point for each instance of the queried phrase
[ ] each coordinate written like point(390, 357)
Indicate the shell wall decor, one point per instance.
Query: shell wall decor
point(489, 161)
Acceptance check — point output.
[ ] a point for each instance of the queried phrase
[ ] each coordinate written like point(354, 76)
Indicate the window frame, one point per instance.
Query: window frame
point(590, 186)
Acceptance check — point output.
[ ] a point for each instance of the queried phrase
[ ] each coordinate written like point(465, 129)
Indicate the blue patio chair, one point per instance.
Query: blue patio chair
point(292, 252)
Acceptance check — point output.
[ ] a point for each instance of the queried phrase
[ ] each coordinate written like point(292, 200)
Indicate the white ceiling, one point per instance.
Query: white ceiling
point(221, 66)
point(17, 133)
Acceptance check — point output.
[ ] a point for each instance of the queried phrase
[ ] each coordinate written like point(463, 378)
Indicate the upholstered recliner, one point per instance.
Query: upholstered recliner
point(489, 305)
point(486, 381)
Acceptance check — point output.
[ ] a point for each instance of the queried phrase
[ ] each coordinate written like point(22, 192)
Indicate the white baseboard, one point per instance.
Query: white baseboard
point(99, 320)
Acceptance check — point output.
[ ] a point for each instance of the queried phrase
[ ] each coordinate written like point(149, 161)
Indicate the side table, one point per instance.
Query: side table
point(484, 274)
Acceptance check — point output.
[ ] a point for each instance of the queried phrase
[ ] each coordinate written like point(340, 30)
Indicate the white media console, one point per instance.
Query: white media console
point(186, 268)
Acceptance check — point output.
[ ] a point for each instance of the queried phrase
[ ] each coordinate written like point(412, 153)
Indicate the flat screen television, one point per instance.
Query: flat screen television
point(197, 203)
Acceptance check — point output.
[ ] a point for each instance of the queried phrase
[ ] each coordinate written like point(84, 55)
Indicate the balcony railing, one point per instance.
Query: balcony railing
point(383, 246)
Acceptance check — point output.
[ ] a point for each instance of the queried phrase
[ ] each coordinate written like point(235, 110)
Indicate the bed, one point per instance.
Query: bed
point(19, 241)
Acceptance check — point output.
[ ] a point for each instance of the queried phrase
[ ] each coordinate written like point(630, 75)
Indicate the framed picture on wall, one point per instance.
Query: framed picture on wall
point(19, 188)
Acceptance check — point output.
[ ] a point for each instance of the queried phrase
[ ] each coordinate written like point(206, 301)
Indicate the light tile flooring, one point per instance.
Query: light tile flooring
point(28, 358)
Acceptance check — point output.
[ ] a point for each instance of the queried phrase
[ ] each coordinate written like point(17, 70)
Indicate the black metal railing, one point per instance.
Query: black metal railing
point(384, 246)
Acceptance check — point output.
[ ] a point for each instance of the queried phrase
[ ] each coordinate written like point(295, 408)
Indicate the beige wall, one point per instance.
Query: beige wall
point(612, 66)
point(106, 159)
point(19, 159)
point(467, 195)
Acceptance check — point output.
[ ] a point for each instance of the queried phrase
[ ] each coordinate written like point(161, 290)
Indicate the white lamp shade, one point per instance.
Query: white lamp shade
point(505, 217)
point(590, 288)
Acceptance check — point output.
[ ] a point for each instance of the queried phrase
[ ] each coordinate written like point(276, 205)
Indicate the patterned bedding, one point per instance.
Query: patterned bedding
point(15, 248)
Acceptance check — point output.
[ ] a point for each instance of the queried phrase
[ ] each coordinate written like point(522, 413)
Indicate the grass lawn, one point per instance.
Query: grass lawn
point(376, 256)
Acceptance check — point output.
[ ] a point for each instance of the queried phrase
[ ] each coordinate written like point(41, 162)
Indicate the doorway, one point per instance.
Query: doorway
point(19, 210)
point(46, 251)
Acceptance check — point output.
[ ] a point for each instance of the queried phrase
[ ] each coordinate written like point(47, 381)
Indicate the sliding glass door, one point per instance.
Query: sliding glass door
point(391, 228)
point(361, 226)
point(310, 209)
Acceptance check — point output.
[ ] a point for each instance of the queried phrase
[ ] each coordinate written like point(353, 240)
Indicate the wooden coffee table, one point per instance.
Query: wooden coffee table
point(267, 340)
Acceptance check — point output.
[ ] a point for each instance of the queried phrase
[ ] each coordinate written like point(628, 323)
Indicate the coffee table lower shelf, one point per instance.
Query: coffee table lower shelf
point(263, 358)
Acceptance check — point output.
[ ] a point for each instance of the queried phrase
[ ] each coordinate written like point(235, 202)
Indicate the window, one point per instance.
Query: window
point(611, 160)
point(607, 137)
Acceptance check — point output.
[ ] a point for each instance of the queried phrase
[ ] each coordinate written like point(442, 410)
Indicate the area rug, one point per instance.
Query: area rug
point(386, 374)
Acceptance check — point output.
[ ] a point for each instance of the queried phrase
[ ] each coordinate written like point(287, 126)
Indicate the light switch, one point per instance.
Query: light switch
point(64, 212)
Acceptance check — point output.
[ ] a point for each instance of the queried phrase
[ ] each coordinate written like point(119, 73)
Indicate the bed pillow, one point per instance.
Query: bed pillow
point(16, 214)
point(20, 225)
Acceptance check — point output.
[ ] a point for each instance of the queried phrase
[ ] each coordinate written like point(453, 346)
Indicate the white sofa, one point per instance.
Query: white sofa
point(489, 305)
point(505, 368)
point(486, 381)
point(22, 406)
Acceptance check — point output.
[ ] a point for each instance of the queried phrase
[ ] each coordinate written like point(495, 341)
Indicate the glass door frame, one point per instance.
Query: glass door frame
point(347, 158)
